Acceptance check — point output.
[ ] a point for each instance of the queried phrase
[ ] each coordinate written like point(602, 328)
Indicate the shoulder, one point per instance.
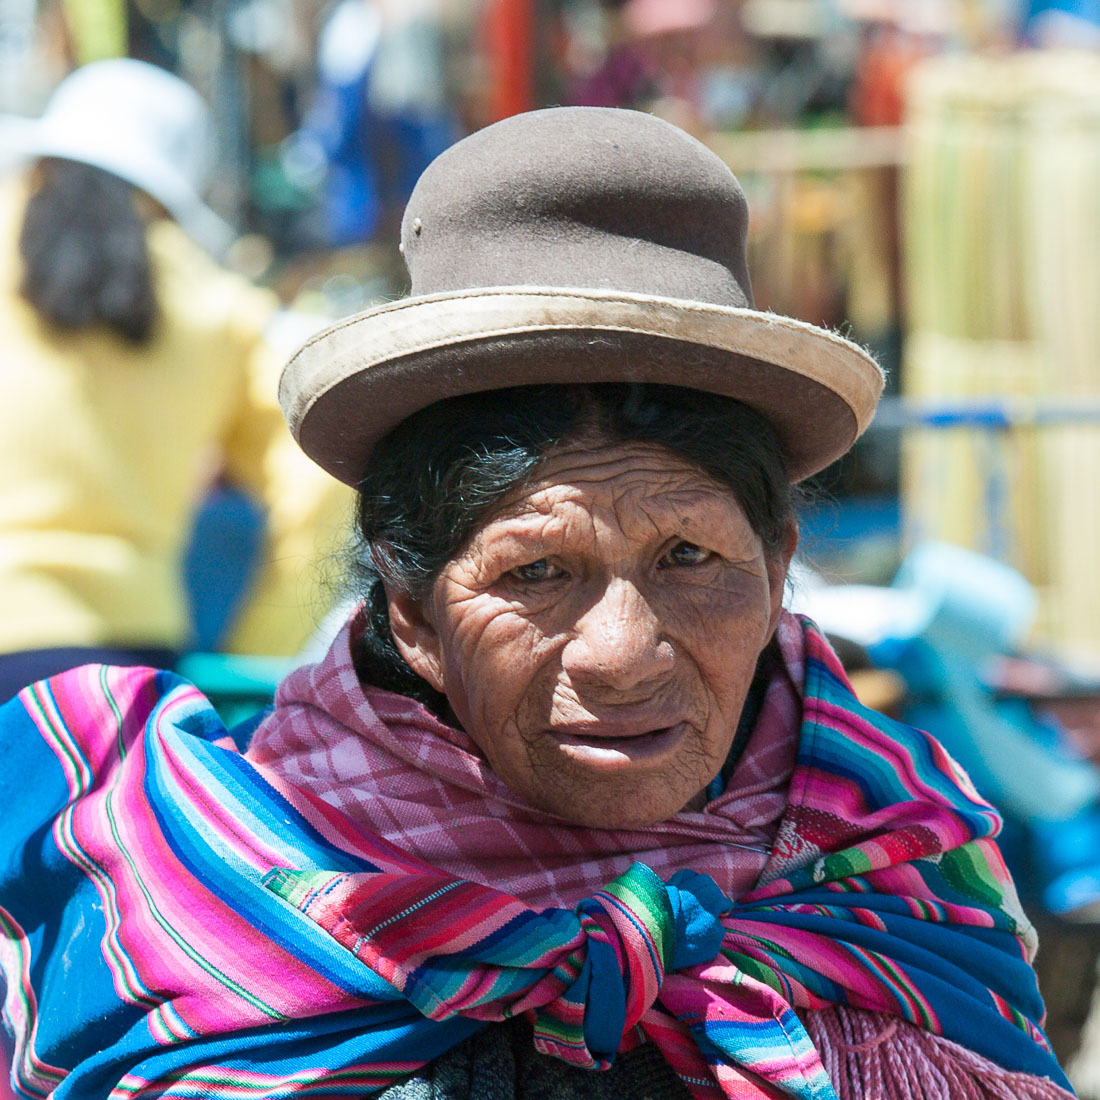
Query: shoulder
point(75, 731)
point(845, 742)
point(88, 715)
point(192, 284)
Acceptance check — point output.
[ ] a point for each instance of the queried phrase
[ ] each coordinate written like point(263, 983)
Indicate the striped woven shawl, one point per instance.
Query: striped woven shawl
point(172, 924)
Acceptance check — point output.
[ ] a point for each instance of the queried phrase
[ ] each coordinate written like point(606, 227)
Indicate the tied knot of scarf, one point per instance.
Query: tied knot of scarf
point(455, 948)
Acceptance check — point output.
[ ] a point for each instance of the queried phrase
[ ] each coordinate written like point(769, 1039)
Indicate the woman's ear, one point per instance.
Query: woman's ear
point(779, 561)
point(415, 636)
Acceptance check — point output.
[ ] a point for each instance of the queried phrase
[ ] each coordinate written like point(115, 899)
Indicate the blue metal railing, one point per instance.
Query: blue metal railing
point(991, 413)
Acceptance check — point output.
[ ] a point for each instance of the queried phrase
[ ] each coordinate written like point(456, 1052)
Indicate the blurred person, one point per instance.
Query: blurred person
point(380, 113)
point(652, 58)
point(894, 38)
point(135, 368)
point(688, 61)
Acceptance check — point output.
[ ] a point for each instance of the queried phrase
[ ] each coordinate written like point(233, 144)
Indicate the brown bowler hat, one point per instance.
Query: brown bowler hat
point(575, 244)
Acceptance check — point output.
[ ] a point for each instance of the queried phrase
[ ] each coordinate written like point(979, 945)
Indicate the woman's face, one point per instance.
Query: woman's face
point(598, 635)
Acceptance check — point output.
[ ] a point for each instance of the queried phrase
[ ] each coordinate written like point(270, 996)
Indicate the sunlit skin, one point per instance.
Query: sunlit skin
point(597, 637)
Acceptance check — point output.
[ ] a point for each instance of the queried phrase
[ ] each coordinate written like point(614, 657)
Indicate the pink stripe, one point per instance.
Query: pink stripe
point(21, 1009)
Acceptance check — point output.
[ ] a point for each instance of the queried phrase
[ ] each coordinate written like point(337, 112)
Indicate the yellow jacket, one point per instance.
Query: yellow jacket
point(106, 448)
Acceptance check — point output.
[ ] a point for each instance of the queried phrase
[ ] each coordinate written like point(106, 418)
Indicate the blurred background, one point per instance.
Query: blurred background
point(922, 175)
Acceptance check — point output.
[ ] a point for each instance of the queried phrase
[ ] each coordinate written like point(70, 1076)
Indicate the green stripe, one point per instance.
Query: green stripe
point(114, 709)
point(904, 988)
point(16, 988)
point(641, 891)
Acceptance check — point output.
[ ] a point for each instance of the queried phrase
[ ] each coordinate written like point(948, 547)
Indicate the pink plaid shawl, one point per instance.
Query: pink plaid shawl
point(390, 765)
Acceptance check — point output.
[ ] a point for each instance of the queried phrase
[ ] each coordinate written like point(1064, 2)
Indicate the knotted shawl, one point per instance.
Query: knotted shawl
point(174, 922)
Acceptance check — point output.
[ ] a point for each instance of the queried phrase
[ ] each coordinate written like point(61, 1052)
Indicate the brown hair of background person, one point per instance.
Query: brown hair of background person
point(85, 257)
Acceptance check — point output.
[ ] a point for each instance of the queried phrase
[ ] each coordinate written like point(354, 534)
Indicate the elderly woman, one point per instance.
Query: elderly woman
point(571, 791)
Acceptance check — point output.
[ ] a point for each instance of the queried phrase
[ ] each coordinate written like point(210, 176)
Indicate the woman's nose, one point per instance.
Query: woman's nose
point(618, 641)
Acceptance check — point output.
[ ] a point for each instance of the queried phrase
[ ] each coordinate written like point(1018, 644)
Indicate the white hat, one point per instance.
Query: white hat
point(139, 123)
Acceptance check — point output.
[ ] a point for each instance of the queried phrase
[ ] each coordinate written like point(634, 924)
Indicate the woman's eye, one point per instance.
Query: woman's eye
point(532, 572)
point(685, 553)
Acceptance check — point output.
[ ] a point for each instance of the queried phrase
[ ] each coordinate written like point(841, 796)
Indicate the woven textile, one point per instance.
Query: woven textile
point(235, 935)
point(397, 771)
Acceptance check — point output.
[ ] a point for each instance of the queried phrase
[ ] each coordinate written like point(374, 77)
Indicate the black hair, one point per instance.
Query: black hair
point(84, 252)
point(437, 476)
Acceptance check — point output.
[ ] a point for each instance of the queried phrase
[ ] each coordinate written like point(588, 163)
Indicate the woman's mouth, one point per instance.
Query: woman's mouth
point(614, 749)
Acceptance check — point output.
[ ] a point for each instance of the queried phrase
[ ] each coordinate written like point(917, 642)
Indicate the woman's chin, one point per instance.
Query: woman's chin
point(611, 786)
point(605, 776)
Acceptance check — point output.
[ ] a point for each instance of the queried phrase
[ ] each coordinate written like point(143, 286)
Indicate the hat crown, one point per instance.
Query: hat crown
point(575, 244)
point(583, 197)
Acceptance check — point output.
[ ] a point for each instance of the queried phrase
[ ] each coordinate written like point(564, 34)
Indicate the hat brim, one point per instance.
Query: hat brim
point(351, 384)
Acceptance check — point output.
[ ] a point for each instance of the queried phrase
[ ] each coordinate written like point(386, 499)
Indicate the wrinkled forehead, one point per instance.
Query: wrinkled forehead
point(636, 487)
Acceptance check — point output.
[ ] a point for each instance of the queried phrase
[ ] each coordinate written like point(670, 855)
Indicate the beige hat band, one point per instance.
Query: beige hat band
point(418, 325)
